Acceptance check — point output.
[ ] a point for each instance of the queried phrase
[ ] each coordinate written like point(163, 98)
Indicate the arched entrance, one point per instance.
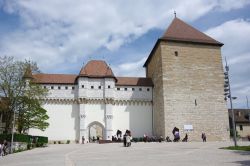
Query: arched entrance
point(95, 129)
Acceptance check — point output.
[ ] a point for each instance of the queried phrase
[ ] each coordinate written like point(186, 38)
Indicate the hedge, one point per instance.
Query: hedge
point(24, 138)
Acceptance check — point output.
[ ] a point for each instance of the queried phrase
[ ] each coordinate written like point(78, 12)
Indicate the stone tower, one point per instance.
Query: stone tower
point(186, 68)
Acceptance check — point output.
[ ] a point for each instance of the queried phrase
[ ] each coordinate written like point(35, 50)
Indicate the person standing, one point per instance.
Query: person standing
point(204, 137)
point(124, 139)
point(83, 139)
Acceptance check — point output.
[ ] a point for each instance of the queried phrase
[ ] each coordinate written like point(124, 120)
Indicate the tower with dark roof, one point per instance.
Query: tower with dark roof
point(185, 66)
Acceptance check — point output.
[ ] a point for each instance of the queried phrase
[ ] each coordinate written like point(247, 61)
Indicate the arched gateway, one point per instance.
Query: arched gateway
point(95, 129)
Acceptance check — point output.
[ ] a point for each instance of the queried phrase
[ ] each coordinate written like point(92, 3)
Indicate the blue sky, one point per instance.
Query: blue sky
point(62, 35)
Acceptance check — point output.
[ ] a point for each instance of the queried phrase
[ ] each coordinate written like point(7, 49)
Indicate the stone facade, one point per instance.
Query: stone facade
point(190, 79)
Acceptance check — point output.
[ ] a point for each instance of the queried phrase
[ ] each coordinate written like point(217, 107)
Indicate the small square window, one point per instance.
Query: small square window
point(148, 89)
point(92, 87)
point(66, 87)
point(140, 89)
point(118, 88)
point(176, 53)
point(99, 87)
point(108, 86)
point(44, 87)
point(125, 89)
point(241, 128)
point(59, 87)
point(82, 86)
point(133, 89)
point(52, 87)
point(73, 87)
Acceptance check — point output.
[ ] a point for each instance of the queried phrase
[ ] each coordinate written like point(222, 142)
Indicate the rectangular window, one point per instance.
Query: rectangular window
point(125, 89)
point(99, 87)
point(133, 89)
point(92, 87)
point(118, 88)
point(241, 128)
point(44, 87)
point(73, 87)
point(82, 86)
point(52, 87)
point(148, 89)
point(59, 87)
point(140, 89)
point(66, 87)
point(108, 86)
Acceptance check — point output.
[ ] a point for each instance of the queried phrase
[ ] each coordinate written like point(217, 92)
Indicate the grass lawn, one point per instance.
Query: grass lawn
point(244, 148)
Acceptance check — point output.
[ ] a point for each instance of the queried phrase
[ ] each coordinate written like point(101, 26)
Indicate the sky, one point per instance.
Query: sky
point(63, 35)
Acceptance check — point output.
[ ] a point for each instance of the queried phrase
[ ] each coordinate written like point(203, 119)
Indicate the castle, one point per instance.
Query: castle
point(183, 88)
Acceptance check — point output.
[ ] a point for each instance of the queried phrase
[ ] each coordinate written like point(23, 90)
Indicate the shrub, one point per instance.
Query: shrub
point(54, 142)
point(135, 139)
point(59, 142)
point(28, 146)
point(68, 141)
point(17, 137)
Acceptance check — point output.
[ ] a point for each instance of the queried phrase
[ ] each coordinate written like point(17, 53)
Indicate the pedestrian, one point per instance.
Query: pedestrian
point(83, 139)
point(124, 139)
point(204, 137)
point(1, 149)
point(128, 140)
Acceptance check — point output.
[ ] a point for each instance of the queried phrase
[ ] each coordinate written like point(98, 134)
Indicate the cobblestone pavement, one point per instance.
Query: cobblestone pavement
point(139, 154)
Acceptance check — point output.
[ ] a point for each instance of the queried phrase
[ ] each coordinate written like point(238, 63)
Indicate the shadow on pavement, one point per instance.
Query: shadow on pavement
point(243, 162)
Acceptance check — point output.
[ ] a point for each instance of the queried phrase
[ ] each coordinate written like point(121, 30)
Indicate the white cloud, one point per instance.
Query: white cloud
point(62, 32)
point(235, 35)
point(131, 68)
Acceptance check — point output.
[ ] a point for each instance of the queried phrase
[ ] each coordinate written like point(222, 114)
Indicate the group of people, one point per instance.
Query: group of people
point(4, 148)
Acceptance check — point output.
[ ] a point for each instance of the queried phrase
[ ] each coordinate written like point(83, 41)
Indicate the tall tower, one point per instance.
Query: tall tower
point(186, 68)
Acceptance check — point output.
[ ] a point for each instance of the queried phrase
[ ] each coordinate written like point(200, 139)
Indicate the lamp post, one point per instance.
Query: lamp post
point(229, 95)
point(12, 132)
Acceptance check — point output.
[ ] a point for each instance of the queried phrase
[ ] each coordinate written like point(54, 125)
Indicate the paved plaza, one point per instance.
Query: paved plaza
point(140, 154)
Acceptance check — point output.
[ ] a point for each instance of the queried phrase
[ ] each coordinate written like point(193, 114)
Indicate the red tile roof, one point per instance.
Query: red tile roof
point(71, 79)
point(97, 68)
point(133, 81)
point(181, 31)
point(54, 78)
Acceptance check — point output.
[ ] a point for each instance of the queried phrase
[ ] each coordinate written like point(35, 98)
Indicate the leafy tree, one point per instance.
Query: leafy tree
point(19, 90)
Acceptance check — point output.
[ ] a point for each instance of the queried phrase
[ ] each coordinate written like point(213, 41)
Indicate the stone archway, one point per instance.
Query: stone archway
point(95, 129)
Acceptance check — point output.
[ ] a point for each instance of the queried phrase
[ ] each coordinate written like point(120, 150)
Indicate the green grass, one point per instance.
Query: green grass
point(244, 148)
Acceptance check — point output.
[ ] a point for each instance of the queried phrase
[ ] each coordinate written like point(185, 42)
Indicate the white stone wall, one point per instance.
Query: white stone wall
point(135, 117)
point(130, 109)
point(61, 93)
point(63, 122)
point(139, 93)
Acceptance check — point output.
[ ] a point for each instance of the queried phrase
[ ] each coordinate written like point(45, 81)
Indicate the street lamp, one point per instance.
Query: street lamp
point(13, 130)
point(227, 90)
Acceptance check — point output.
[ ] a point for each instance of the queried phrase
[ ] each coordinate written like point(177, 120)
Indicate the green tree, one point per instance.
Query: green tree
point(17, 87)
